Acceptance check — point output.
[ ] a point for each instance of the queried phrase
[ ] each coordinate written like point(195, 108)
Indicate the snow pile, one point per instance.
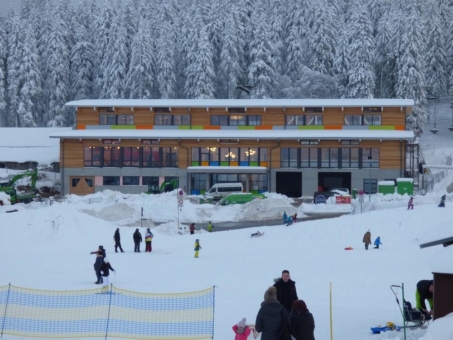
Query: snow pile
point(114, 213)
point(440, 329)
point(5, 198)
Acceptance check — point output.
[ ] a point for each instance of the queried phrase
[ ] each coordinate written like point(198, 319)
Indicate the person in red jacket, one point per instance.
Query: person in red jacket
point(241, 330)
point(192, 229)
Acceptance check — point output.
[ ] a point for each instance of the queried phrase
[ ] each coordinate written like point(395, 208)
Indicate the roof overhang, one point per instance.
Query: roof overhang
point(227, 169)
point(445, 241)
point(225, 103)
point(279, 134)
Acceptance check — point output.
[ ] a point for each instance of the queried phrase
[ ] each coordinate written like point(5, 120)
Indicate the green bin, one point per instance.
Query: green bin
point(354, 193)
point(386, 187)
point(405, 186)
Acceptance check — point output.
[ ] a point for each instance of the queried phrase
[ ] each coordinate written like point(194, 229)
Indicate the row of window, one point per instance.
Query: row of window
point(258, 183)
point(225, 156)
point(239, 120)
point(142, 157)
point(329, 158)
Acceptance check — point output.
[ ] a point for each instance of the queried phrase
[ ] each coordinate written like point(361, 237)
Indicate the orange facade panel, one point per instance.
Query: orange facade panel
point(144, 127)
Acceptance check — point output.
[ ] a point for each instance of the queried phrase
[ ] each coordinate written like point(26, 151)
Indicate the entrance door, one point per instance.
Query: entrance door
point(334, 180)
point(80, 185)
point(289, 183)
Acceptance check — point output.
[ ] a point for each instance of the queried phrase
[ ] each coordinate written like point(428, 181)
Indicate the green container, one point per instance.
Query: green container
point(354, 193)
point(386, 188)
point(405, 186)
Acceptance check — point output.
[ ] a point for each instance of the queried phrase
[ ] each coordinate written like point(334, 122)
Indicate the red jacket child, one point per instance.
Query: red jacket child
point(241, 330)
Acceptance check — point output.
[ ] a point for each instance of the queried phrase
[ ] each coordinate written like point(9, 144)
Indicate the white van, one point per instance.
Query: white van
point(220, 190)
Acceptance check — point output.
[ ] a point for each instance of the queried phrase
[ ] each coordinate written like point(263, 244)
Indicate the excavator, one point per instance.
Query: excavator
point(9, 187)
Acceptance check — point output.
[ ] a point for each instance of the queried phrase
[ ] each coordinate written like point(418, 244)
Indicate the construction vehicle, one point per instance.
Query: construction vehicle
point(10, 186)
point(164, 187)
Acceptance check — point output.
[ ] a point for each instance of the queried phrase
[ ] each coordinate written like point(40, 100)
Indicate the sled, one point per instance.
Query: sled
point(256, 235)
point(348, 248)
point(413, 318)
point(388, 327)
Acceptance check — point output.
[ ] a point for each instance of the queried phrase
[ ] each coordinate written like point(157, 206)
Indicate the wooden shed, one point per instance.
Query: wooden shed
point(442, 269)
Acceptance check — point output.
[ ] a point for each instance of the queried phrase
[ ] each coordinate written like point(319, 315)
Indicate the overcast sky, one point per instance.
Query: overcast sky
point(6, 4)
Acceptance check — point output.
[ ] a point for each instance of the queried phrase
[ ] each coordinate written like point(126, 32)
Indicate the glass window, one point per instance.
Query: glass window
point(370, 157)
point(153, 184)
point(244, 153)
point(224, 154)
point(236, 110)
point(354, 158)
point(263, 154)
point(127, 156)
point(161, 109)
point(254, 120)
point(181, 120)
point(151, 158)
point(329, 158)
point(237, 120)
point(195, 154)
point(313, 109)
point(253, 154)
point(131, 180)
point(121, 119)
point(130, 120)
point(112, 156)
point(313, 120)
point(111, 180)
point(313, 158)
point(352, 120)
point(215, 120)
point(162, 119)
point(288, 157)
point(74, 182)
point(300, 120)
point(213, 154)
point(258, 183)
point(87, 156)
point(290, 120)
point(103, 120)
point(366, 186)
point(111, 120)
point(198, 182)
point(170, 157)
point(372, 120)
point(372, 109)
point(89, 182)
point(223, 120)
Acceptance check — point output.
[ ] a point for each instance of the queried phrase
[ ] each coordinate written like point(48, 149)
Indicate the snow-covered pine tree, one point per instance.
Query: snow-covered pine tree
point(230, 67)
point(322, 39)
point(57, 81)
point(262, 65)
point(139, 80)
point(29, 79)
point(26, 8)
point(276, 29)
point(3, 47)
point(130, 23)
point(435, 55)
point(114, 78)
point(341, 62)
point(12, 68)
point(294, 54)
point(410, 78)
point(361, 52)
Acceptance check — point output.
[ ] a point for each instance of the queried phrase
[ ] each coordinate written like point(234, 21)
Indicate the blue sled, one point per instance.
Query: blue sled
point(378, 330)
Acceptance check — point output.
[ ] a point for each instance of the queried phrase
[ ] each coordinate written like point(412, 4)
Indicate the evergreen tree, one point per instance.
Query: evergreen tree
point(12, 69)
point(3, 47)
point(435, 57)
point(411, 79)
point(322, 39)
point(294, 54)
point(230, 67)
point(139, 79)
point(341, 63)
point(262, 65)
point(165, 62)
point(361, 51)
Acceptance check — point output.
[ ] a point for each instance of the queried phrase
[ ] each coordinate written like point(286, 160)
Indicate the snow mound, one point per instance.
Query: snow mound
point(440, 329)
point(113, 213)
point(266, 209)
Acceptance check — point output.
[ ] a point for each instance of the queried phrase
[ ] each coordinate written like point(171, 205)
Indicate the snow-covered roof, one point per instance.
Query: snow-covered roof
point(386, 183)
point(404, 180)
point(235, 134)
point(437, 235)
point(30, 145)
point(441, 262)
point(241, 102)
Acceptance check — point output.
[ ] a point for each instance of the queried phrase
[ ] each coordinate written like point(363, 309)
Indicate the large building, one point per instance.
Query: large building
point(289, 146)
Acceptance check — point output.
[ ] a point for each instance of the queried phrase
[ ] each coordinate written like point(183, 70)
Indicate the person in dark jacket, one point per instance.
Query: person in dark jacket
point(424, 291)
point(272, 317)
point(302, 322)
point(105, 269)
point(100, 249)
point(97, 267)
point(192, 229)
point(137, 239)
point(286, 291)
point(117, 239)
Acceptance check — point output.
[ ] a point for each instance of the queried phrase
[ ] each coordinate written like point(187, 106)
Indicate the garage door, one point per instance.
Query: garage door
point(80, 185)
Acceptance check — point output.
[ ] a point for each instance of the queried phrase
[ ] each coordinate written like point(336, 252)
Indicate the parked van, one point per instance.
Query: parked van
point(220, 190)
point(240, 198)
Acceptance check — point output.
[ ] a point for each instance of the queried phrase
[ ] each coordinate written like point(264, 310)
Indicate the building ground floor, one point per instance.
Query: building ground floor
point(195, 180)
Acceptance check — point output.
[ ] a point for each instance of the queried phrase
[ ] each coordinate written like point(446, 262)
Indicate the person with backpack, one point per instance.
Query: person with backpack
point(302, 322)
point(148, 240)
point(117, 239)
point(105, 269)
point(137, 240)
point(197, 247)
point(241, 330)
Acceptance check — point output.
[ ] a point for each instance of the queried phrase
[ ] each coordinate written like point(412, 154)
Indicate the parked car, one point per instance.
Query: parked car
point(221, 190)
point(239, 198)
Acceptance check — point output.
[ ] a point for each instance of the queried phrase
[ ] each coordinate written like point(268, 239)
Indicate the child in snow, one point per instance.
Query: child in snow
point(192, 229)
point(197, 247)
point(210, 226)
point(105, 271)
point(410, 205)
point(148, 240)
point(377, 242)
point(295, 218)
point(285, 217)
point(241, 330)
point(442, 201)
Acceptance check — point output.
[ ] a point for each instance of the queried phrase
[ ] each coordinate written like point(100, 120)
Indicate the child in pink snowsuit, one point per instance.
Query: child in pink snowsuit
point(241, 330)
point(410, 205)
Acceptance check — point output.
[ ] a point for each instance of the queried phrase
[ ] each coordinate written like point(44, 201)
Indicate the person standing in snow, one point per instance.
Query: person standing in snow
point(367, 239)
point(105, 269)
point(101, 250)
point(442, 201)
point(192, 229)
point(117, 239)
point(137, 240)
point(97, 267)
point(410, 204)
point(377, 242)
point(286, 290)
point(210, 226)
point(148, 240)
point(302, 322)
point(197, 247)
point(272, 317)
point(241, 330)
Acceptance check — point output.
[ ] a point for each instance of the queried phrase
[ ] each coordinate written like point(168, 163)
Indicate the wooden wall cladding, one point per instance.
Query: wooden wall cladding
point(393, 116)
point(333, 116)
point(87, 116)
point(71, 152)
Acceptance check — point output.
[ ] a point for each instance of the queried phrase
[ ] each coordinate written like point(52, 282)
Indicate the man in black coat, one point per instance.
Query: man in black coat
point(425, 289)
point(117, 239)
point(137, 239)
point(286, 291)
point(97, 267)
point(101, 250)
point(272, 317)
